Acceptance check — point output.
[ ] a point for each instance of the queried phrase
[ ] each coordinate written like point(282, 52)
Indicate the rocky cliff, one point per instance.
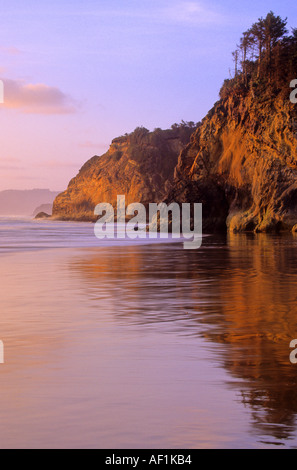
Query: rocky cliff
point(242, 160)
point(139, 165)
point(241, 163)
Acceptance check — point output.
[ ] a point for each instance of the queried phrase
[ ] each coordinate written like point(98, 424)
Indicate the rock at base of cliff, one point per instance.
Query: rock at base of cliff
point(42, 215)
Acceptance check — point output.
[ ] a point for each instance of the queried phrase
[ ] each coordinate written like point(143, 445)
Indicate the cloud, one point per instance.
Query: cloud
point(179, 11)
point(9, 160)
point(11, 167)
point(90, 144)
point(36, 98)
point(11, 163)
point(52, 164)
point(11, 50)
point(192, 12)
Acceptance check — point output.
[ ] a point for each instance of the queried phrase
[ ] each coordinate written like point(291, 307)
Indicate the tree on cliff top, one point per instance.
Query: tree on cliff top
point(267, 53)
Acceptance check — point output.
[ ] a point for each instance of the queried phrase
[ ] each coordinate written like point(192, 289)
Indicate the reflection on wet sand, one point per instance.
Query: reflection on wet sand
point(239, 293)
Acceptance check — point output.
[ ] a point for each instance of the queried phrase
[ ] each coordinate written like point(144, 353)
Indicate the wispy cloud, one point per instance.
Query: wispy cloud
point(36, 98)
point(9, 160)
point(93, 145)
point(174, 11)
point(192, 12)
point(10, 50)
point(11, 167)
point(54, 163)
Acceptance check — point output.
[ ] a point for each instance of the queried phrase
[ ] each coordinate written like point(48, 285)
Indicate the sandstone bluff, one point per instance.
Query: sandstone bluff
point(240, 162)
point(139, 165)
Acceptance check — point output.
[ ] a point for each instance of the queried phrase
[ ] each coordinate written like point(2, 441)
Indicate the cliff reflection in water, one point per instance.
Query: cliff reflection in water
point(238, 292)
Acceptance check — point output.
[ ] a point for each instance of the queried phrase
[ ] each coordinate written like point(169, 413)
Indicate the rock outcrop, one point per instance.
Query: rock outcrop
point(46, 208)
point(241, 161)
point(241, 164)
point(42, 215)
point(139, 165)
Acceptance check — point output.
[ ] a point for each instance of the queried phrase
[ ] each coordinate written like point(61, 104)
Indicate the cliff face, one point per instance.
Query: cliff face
point(241, 164)
point(139, 165)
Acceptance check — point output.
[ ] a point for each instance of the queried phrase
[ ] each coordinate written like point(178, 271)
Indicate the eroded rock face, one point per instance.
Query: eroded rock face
point(139, 165)
point(42, 215)
point(241, 164)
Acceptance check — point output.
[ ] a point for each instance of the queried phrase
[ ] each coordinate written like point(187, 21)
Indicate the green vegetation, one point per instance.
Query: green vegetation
point(141, 135)
point(266, 57)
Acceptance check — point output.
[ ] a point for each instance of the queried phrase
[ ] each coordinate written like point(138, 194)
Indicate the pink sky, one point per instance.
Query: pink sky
point(77, 74)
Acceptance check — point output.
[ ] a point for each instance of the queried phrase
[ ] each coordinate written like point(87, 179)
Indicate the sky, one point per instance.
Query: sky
point(78, 73)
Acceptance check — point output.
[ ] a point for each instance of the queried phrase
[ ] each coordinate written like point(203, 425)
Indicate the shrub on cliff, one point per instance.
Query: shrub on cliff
point(266, 55)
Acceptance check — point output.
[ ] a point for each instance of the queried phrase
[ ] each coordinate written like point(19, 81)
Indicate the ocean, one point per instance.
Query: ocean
point(143, 344)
